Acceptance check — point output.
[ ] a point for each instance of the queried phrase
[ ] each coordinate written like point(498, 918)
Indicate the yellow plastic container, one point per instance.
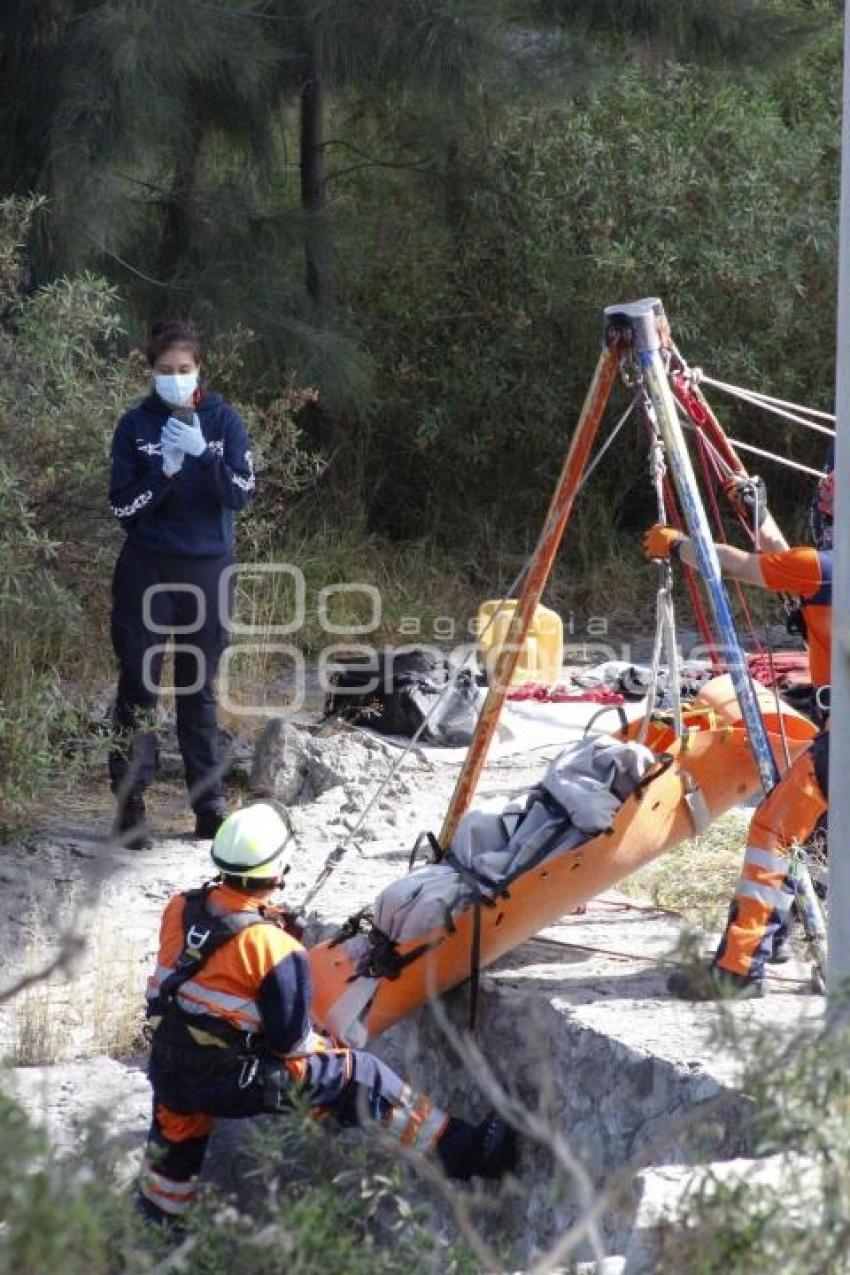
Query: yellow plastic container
point(542, 651)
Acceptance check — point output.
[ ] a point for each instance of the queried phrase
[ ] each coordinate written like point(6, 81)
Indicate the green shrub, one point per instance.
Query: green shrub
point(317, 1204)
point(800, 1223)
point(716, 193)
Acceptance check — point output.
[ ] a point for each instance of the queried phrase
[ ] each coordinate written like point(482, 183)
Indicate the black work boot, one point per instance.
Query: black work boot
point(130, 827)
point(781, 950)
point(485, 1150)
point(207, 823)
point(711, 983)
point(155, 1217)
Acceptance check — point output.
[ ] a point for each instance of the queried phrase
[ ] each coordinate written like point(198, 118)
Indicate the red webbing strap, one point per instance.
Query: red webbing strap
point(691, 582)
point(702, 452)
point(701, 415)
point(709, 428)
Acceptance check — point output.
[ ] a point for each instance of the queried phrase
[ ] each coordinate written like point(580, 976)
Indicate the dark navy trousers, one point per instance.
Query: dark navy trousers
point(353, 1086)
point(154, 595)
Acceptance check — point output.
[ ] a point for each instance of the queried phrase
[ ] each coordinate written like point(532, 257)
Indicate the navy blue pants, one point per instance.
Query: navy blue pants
point(351, 1085)
point(182, 593)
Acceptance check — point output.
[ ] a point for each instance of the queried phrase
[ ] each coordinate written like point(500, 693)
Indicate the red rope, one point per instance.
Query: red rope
point(708, 429)
point(691, 583)
point(705, 420)
point(675, 516)
point(705, 430)
point(661, 961)
point(542, 694)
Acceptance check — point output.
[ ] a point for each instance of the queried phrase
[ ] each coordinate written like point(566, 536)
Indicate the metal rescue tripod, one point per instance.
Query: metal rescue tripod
point(638, 345)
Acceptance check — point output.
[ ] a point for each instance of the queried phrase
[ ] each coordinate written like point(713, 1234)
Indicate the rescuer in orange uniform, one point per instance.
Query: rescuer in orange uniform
point(229, 1015)
point(797, 806)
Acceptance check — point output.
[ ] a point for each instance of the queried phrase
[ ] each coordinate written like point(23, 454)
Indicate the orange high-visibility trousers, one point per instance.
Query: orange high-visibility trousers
point(788, 816)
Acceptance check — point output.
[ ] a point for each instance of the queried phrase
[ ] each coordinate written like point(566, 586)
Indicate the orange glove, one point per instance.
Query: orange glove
point(661, 541)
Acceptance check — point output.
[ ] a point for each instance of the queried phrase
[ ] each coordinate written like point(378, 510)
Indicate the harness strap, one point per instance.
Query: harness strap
point(425, 838)
point(345, 1017)
point(383, 958)
point(696, 803)
point(475, 964)
point(204, 933)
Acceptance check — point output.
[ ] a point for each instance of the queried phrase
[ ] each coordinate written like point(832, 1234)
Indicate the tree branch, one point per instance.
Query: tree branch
point(70, 947)
point(138, 181)
point(140, 274)
point(413, 166)
point(594, 1203)
point(370, 161)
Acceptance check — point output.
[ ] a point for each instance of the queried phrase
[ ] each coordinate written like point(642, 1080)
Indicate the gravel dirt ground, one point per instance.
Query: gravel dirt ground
point(624, 1058)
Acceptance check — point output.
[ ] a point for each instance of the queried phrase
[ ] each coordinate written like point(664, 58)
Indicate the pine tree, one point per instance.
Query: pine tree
point(185, 149)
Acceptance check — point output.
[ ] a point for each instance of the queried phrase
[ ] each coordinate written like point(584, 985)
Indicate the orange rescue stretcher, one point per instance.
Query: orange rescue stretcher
point(699, 777)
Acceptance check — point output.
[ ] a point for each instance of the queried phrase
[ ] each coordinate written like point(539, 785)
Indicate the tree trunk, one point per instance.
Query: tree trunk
point(312, 163)
point(175, 245)
point(322, 425)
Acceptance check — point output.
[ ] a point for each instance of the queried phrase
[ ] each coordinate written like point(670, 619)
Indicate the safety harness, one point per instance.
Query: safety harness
point(203, 1042)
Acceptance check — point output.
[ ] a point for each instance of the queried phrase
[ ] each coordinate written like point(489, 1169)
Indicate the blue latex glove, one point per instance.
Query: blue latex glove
point(186, 438)
point(172, 459)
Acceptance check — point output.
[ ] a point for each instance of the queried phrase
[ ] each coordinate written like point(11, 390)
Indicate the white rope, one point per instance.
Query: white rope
point(765, 398)
point(745, 447)
point(717, 456)
point(780, 460)
point(665, 619)
point(768, 404)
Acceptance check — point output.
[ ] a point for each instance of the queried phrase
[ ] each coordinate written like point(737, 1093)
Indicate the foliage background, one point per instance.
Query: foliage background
point(487, 178)
point(397, 225)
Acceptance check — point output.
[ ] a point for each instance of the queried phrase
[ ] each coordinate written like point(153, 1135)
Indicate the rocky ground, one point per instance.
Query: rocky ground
point(579, 1012)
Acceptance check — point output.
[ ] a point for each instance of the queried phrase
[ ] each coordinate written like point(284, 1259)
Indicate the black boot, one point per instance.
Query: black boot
point(781, 950)
point(207, 823)
point(130, 827)
point(711, 983)
point(155, 1217)
point(485, 1150)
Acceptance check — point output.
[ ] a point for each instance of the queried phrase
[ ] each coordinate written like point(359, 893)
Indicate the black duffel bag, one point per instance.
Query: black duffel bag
point(395, 692)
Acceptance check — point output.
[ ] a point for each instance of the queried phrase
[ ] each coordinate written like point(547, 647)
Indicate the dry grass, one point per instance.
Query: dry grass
point(99, 1010)
point(698, 877)
point(39, 1037)
point(117, 993)
point(39, 1014)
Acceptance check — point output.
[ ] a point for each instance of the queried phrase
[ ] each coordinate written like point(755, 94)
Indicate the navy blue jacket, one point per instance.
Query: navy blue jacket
point(191, 513)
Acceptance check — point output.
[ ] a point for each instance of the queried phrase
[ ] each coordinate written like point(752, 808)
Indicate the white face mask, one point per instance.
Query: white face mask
point(176, 390)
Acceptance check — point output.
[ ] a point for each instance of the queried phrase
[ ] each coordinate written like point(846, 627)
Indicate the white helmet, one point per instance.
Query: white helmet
point(254, 842)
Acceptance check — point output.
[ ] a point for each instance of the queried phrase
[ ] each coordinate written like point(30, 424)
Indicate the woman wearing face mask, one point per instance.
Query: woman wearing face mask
point(181, 467)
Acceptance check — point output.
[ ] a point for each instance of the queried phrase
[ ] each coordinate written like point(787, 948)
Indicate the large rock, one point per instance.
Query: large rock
point(666, 1194)
point(297, 767)
point(626, 1074)
point(65, 1098)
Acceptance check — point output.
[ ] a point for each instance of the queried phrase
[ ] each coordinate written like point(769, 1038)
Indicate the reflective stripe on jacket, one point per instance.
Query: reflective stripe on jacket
point(258, 981)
